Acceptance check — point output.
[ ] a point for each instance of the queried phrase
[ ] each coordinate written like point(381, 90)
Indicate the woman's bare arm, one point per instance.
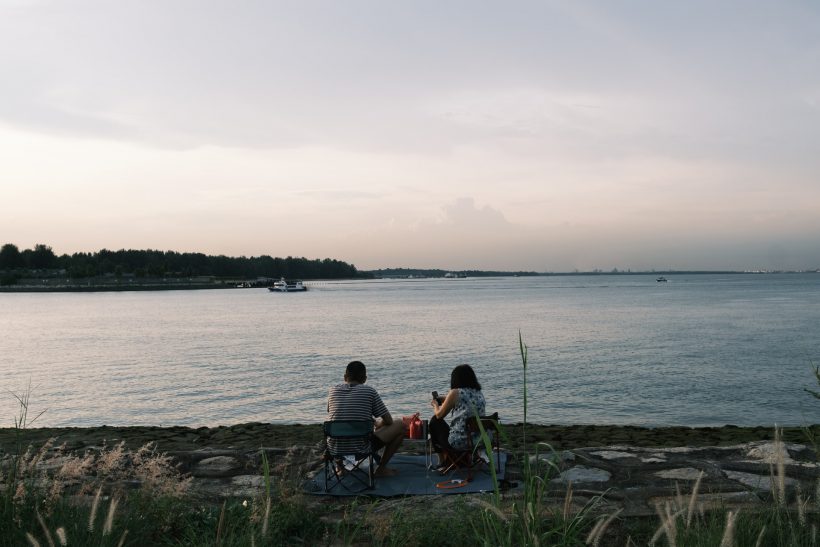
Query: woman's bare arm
point(441, 410)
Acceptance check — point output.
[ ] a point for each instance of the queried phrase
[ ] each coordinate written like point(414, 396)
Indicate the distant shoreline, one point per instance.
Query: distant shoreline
point(233, 284)
point(110, 288)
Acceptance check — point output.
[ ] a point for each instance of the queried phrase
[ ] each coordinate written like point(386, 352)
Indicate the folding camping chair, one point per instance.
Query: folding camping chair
point(349, 468)
point(490, 425)
point(470, 458)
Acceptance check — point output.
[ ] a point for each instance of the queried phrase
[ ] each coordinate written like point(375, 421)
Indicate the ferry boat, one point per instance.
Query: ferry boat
point(287, 286)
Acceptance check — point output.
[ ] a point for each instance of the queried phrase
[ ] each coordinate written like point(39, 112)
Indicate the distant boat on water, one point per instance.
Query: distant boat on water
point(661, 279)
point(287, 286)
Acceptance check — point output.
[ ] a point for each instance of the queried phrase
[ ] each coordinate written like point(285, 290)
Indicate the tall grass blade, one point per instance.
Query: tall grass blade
point(488, 448)
point(567, 501)
point(46, 532)
point(523, 349)
point(801, 507)
point(692, 499)
point(95, 505)
point(759, 542)
point(815, 394)
point(780, 448)
point(109, 520)
point(729, 532)
point(266, 473)
point(594, 537)
point(220, 526)
point(61, 536)
point(266, 520)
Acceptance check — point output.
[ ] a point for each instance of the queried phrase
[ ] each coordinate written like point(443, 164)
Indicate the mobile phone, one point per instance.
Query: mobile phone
point(435, 395)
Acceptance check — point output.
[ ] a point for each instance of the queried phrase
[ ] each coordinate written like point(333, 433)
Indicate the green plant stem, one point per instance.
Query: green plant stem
point(523, 349)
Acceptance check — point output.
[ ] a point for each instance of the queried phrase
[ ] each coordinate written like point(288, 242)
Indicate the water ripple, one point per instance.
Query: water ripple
point(700, 350)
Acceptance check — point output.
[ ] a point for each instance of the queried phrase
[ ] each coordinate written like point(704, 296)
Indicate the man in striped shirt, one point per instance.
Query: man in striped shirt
point(353, 400)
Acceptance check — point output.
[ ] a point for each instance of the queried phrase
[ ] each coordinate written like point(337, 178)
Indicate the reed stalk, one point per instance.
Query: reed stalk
point(221, 525)
point(729, 532)
point(94, 507)
point(61, 536)
point(46, 531)
point(266, 472)
point(815, 394)
point(109, 520)
point(522, 347)
point(692, 499)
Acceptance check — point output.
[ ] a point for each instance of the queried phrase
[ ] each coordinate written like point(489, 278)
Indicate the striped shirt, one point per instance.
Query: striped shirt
point(353, 402)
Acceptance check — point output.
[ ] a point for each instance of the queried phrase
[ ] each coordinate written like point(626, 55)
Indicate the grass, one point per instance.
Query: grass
point(533, 519)
point(49, 496)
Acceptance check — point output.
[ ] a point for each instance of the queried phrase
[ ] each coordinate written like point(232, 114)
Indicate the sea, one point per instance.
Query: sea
point(698, 350)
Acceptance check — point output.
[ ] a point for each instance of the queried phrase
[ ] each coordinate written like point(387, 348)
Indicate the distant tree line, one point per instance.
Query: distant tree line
point(152, 263)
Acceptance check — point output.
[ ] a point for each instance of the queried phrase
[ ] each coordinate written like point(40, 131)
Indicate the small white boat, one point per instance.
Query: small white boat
point(661, 279)
point(287, 286)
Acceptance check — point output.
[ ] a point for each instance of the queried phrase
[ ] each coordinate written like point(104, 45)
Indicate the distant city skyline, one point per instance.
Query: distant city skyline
point(540, 136)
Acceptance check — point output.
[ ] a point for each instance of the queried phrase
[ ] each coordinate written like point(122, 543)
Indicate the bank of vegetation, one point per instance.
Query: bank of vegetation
point(41, 263)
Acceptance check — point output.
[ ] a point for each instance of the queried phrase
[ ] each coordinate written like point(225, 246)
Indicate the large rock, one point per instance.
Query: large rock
point(217, 466)
point(758, 482)
point(681, 473)
point(241, 486)
point(770, 452)
point(582, 474)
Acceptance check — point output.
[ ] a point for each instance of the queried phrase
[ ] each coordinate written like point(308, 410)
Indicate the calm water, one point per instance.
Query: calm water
point(699, 350)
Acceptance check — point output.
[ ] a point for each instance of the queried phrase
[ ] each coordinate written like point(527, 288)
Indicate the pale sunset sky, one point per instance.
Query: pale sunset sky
point(543, 135)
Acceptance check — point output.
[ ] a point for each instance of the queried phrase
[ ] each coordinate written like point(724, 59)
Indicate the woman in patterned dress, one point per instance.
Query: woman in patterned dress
point(464, 400)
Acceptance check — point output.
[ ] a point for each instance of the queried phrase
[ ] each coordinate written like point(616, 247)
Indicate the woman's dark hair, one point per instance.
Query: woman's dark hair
point(464, 376)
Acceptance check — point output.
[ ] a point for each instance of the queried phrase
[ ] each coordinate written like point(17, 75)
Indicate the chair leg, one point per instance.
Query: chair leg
point(459, 460)
point(337, 475)
point(333, 474)
point(328, 482)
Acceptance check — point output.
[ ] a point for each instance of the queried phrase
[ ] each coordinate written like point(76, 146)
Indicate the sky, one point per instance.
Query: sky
point(544, 135)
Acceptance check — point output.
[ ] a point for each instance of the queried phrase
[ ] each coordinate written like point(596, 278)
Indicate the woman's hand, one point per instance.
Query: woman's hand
point(449, 403)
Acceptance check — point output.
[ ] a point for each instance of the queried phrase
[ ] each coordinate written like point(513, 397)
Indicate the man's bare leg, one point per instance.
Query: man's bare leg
point(392, 436)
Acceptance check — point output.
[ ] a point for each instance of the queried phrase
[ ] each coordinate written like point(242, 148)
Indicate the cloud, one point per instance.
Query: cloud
point(552, 136)
point(463, 215)
point(338, 195)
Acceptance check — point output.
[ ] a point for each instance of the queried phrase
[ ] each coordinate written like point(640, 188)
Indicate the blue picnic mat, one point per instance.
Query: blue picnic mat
point(413, 479)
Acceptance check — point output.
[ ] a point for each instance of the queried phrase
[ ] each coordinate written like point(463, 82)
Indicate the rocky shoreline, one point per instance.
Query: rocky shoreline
point(633, 469)
point(255, 435)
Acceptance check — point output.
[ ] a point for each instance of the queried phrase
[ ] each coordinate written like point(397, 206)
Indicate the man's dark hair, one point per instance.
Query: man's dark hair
point(464, 376)
point(355, 372)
